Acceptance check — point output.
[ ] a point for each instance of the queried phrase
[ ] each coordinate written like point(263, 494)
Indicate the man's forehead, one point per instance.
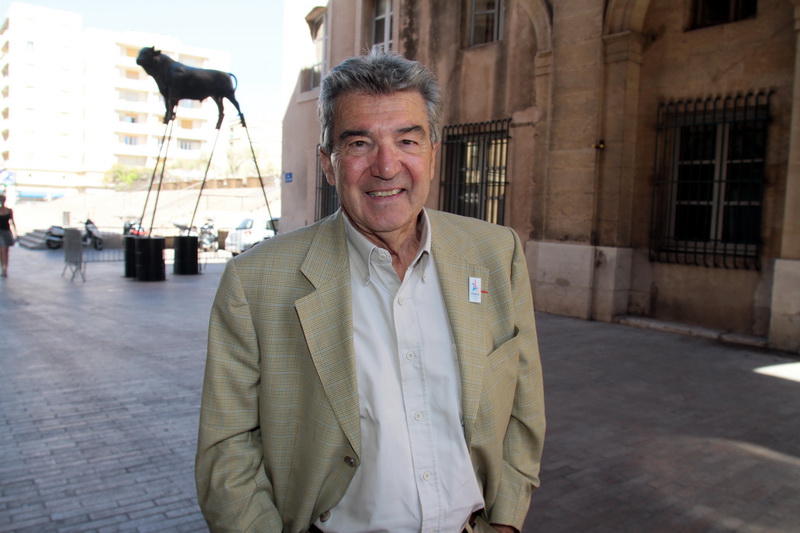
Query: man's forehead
point(412, 97)
point(354, 107)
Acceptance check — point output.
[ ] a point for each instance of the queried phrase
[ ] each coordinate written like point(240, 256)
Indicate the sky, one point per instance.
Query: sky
point(250, 30)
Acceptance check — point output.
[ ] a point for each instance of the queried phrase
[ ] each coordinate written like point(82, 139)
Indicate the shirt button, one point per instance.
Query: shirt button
point(382, 256)
point(410, 355)
point(401, 301)
point(426, 476)
point(417, 416)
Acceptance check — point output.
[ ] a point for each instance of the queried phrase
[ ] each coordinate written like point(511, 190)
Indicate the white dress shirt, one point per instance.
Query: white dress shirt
point(415, 473)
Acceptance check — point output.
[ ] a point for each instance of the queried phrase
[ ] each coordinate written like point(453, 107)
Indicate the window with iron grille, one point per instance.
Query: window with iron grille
point(712, 12)
point(486, 21)
point(709, 181)
point(327, 199)
point(475, 170)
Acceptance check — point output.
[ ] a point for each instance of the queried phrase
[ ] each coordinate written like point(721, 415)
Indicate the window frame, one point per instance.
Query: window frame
point(311, 76)
point(738, 10)
point(498, 12)
point(384, 43)
point(708, 192)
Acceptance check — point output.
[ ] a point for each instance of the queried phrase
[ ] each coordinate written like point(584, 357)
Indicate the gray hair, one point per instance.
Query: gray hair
point(377, 74)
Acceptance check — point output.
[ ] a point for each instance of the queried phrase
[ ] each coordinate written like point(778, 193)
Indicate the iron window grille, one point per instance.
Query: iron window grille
point(709, 181)
point(475, 169)
point(327, 200)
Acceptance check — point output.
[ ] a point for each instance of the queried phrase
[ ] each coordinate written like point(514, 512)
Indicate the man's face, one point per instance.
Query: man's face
point(382, 162)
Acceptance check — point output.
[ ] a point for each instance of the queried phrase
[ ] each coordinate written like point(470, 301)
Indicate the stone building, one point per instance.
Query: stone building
point(646, 151)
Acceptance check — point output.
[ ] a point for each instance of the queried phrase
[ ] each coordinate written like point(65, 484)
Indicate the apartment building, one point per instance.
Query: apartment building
point(647, 152)
point(74, 103)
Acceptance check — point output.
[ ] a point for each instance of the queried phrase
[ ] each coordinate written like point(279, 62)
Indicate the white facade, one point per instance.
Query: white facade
point(74, 102)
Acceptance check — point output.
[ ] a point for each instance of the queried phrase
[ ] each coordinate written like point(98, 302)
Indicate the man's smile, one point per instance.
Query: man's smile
point(383, 194)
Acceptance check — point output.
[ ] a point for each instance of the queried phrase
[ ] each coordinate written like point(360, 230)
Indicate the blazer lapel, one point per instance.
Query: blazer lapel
point(327, 319)
point(452, 255)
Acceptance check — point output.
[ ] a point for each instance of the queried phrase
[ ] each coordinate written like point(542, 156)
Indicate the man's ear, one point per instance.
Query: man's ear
point(327, 167)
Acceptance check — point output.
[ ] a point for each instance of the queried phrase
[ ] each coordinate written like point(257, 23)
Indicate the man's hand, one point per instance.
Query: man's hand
point(504, 529)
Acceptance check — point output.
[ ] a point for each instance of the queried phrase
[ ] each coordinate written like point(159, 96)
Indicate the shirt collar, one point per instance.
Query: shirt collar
point(361, 249)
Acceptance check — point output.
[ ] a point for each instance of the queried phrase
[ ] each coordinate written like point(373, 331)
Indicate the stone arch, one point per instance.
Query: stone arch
point(541, 14)
point(625, 15)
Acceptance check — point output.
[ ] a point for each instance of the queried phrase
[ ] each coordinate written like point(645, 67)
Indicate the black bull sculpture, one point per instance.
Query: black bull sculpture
point(177, 81)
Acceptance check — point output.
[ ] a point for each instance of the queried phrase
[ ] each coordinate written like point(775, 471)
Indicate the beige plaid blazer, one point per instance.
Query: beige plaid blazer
point(279, 431)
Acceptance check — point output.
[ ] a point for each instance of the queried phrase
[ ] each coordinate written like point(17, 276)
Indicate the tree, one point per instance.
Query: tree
point(124, 177)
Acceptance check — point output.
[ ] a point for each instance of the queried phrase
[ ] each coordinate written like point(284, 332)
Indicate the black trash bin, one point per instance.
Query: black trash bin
point(185, 255)
point(150, 259)
point(130, 256)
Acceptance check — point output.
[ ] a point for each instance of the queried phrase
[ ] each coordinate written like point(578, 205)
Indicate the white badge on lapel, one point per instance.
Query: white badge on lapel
point(475, 290)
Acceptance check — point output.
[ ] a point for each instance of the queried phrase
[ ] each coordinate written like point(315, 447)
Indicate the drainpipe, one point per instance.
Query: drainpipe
point(599, 147)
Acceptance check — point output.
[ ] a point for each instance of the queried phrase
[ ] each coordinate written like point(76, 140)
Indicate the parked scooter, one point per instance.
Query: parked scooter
point(54, 238)
point(133, 227)
point(208, 237)
point(206, 240)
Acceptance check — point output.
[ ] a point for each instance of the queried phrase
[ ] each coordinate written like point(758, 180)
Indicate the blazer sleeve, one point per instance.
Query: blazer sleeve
point(233, 489)
point(524, 438)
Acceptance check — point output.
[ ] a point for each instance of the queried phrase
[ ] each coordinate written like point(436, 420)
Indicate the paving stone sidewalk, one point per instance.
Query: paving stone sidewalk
point(648, 431)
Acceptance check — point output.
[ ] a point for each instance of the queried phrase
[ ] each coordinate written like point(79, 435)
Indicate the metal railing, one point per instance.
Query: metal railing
point(113, 248)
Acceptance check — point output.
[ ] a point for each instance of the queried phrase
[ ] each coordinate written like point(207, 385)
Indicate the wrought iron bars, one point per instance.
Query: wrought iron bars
point(709, 181)
point(327, 200)
point(475, 169)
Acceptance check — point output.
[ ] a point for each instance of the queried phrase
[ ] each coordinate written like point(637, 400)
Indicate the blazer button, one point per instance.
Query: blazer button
point(349, 461)
point(324, 517)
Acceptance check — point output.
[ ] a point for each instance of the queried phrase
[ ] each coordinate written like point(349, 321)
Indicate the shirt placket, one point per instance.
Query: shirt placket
point(416, 399)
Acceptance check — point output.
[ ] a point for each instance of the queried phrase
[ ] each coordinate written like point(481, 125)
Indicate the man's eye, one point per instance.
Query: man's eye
point(358, 144)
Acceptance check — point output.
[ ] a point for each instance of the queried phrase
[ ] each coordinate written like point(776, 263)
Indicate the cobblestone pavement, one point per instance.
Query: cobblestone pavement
point(648, 431)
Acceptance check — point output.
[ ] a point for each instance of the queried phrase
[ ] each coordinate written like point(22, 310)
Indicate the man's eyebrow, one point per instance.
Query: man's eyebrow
point(352, 133)
point(364, 133)
point(412, 129)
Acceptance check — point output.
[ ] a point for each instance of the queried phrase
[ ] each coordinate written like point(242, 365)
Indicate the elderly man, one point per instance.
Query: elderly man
point(377, 371)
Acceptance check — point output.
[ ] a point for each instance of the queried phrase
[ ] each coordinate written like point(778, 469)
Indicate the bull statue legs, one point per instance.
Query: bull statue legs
point(218, 100)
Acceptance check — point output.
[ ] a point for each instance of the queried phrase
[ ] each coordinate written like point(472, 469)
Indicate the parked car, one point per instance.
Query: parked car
point(248, 233)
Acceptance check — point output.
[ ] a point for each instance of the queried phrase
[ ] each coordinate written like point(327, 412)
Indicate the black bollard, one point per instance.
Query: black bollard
point(185, 255)
point(150, 259)
point(130, 256)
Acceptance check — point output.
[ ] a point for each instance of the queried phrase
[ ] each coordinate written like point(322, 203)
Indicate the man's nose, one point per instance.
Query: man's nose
point(386, 163)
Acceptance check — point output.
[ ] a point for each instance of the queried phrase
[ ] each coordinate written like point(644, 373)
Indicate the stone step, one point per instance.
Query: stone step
point(33, 240)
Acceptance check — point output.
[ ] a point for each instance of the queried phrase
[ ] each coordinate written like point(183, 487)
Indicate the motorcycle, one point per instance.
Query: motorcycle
point(208, 237)
point(54, 238)
point(133, 227)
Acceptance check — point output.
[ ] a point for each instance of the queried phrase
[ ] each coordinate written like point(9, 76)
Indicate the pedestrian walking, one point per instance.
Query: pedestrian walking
point(6, 234)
